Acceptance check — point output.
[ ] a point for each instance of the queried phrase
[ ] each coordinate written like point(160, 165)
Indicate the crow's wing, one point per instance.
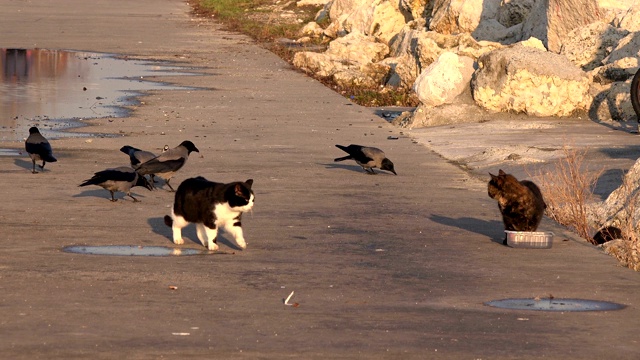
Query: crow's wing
point(118, 174)
point(159, 166)
point(40, 145)
point(141, 156)
point(373, 153)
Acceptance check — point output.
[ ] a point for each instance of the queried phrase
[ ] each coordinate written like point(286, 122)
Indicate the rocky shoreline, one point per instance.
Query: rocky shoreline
point(573, 63)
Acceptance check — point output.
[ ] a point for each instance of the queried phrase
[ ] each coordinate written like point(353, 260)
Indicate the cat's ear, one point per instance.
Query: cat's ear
point(249, 183)
point(501, 173)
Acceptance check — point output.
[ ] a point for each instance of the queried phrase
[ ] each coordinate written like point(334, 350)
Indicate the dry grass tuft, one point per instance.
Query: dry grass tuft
point(567, 190)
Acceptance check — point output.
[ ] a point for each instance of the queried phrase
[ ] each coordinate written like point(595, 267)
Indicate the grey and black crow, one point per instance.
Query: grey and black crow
point(38, 148)
point(122, 178)
point(137, 156)
point(367, 157)
point(166, 164)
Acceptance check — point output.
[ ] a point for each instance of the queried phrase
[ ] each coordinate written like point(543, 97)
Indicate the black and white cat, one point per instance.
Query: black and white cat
point(210, 205)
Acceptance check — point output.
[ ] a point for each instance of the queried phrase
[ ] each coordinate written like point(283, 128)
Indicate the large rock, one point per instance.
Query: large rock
point(413, 50)
point(380, 18)
point(525, 79)
point(445, 79)
point(514, 12)
point(587, 46)
point(611, 91)
point(614, 103)
point(622, 207)
point(349, 60)
point(630, 19)
point(312, 2)
point(416, 8)
point(552, 20)
point(368, 76)
point(628, 46)
point(460, 16)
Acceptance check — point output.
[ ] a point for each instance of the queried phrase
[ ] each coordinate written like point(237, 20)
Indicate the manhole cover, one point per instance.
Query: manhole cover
point(555, 304)
point(133, 250)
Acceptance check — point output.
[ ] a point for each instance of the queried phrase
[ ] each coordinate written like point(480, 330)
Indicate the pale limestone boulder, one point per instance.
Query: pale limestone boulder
point(628, 46)
point(312, 2)
point(523, 79)
point(513, 12)
point(619, 70)
point(616, 4)
point(617, 101)
point(611, 89)
point(416, 8)
point(339, 8)
point(368, 76)
point(628, 18)
point(460, 16)
point(335, 29)
point(502, 21)
point(533, 43)
point(492, 30)
point(351, 55)
point(357, 48)
point(386, 21)
point(445, 79)
point(320, 64)
point(587, 46)
point(622, 207)
point(312, 29)
point(413, 50)
point(380, 18)
point(552, 20)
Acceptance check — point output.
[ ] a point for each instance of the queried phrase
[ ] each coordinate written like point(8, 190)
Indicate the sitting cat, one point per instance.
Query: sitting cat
point(210, 205)
point(521, 203)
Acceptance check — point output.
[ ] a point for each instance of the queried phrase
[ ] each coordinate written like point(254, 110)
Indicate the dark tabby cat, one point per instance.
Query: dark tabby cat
point(521, 203)
point(210, 205)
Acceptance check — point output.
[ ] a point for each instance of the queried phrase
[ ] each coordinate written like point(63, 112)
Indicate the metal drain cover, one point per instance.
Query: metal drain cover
point(133, 250)
point(547, 304)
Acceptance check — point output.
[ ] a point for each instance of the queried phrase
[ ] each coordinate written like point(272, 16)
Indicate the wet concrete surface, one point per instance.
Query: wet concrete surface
point(383, 267)
point(57, 89)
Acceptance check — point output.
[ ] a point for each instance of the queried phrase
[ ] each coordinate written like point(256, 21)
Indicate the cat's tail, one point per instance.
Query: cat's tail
point(168, 221)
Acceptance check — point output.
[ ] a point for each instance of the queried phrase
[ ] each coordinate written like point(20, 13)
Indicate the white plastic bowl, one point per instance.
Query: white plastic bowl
point(529, 239)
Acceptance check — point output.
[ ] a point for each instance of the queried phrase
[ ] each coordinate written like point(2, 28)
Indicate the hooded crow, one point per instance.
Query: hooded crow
point(122, 178)
point(137, 156)
point(38, 148)
point(367, 157)
point(166, 164)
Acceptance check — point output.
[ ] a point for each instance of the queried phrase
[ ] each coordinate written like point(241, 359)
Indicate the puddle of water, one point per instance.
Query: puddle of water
point(134, 250)
point(563, 305)
point(10, 152)
point(39, 86)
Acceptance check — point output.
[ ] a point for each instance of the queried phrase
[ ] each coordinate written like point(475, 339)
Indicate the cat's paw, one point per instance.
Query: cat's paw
point(179, 241)
point(212, 246)
point(241, 244)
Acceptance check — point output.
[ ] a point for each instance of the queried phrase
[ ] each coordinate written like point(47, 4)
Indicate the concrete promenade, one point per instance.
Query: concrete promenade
point(383, 267)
